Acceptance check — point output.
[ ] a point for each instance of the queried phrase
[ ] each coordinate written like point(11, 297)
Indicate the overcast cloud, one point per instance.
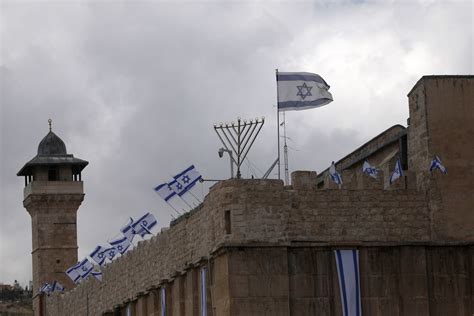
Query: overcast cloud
point(135, 87)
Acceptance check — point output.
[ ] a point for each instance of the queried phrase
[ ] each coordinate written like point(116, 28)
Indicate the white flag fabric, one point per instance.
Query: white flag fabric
point(301, 90)
point(97, 275)
point(121, 244)
point(128, 231)
point(335, 176)
point(165, 191)
point(370, 170)
point(57, 287)
point(144, 224)
point(185, 180)
point(73, 273)
point(110, 253)
point(347, 262)
point(98, 255)
point(85, 268)
point(397, 173)
point(436, 164)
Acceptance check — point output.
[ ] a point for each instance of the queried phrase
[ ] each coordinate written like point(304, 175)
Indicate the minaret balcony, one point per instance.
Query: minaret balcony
point(53, 187)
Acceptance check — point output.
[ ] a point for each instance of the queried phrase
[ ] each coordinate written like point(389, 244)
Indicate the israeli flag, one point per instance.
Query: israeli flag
point(436, 164)
point(85, 268)
point(185, 180)
point(144, 225)
point(203, 293)
point(57, 287)
point(397, 173)
point(110, 253)
point(163, 301)
point(301, 91)
point(347, 262)
point(98, 255)
point(128, 231)
point(335, 176)
point(97, 275)
point(165, 191)
point(73, 273)
point(370, 170)
point(121, 244)
point(46, 289)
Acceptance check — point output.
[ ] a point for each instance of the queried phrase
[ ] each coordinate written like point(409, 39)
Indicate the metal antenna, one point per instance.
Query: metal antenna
point(239, 138)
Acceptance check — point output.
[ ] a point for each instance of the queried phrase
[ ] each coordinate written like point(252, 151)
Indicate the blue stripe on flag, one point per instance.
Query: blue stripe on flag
point(180, 174)
point(302, 105)
point(301, 77)
point(343, 282)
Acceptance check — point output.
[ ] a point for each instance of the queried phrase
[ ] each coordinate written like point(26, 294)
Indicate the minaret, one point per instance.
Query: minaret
point(53, 193)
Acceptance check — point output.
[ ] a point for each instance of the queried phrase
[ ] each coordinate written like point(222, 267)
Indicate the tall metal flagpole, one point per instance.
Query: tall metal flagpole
point(278, 126)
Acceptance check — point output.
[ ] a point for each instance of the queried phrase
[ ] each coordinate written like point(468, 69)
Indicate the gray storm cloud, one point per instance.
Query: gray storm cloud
point(135, 87)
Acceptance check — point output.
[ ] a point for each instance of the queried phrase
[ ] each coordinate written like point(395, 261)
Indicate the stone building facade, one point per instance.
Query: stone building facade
point(268, 249)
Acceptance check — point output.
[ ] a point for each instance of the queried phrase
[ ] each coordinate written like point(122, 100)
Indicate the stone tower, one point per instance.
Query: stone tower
point(52, 194)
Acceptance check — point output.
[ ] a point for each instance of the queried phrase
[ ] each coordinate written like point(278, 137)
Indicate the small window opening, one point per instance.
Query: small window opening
point(52, 174)
point(228, 229)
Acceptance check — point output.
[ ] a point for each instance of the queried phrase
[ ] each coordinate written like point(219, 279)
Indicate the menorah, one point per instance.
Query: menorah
point(238, 137)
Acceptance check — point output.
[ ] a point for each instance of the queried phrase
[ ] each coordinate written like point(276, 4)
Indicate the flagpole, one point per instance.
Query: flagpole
point(278, 126)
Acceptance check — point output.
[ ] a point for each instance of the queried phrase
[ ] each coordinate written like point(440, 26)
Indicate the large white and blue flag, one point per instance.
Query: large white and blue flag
point(121, 244)
point(85, 268)
point(335, 176)
point(397, 172)
point(165, 191)
point(301, 90)
point(347, 262)
point(185, 180)
point(436, 164)
point(98, 255)
point(144, 224)
point(370, 170)
point(73, 273)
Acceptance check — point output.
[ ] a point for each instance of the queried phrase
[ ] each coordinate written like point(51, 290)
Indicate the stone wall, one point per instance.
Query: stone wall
point(243, 212)
point(441, 123)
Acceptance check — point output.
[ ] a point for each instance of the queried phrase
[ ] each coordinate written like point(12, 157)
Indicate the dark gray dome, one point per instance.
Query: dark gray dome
point(51, 145)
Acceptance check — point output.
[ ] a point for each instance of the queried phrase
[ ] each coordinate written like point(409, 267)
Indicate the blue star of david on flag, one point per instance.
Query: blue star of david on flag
point(185, 180)
point(303, 94)
point(121, 244)
point(144, 224)
point(301, 90)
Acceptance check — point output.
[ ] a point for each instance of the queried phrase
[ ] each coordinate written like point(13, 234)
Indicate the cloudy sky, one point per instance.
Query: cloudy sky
point(134, 87)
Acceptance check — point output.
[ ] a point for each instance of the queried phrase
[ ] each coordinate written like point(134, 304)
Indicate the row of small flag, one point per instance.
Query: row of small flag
point(181, 184)
point(50, 288)
point(100, 255)
point(372, 171)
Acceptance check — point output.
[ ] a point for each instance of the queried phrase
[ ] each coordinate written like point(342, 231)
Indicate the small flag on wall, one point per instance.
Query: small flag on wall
point(397, 172)
point(347, 262)
point(369, 170)
point(436, 164)
point(335, 176)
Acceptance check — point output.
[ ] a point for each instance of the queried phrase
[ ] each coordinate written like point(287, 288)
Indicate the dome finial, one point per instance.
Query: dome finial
point(49, 122)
